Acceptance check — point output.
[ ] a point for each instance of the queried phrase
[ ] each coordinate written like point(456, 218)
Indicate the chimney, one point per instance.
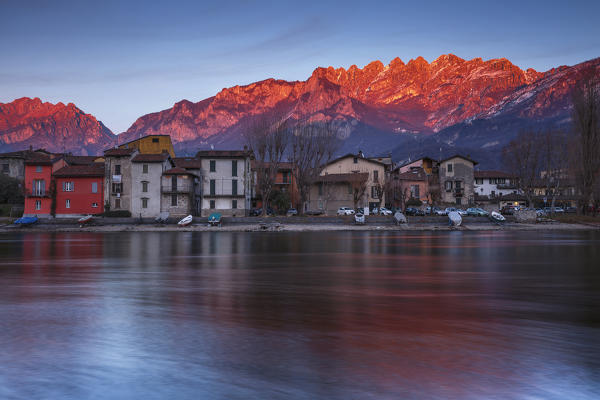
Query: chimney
point(361, 154)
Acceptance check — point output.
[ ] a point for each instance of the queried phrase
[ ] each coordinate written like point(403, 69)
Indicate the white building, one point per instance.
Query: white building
point(146, 174)
point(494, 183)
point(226, 181)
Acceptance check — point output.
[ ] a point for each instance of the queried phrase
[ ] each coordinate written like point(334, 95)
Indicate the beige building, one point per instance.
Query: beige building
point(457, 180)
point(117, 177)
point(180, 192)
point(348, 181)
point(226, 183)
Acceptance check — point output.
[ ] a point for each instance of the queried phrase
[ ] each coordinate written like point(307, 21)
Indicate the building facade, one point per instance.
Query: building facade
point(151, 144)
point(226, 181)
point(117, 178)
point(180, 193)
point(38, 186)
point(146, 179)
point(456, 179)
point(494, 183)
point(79, 190)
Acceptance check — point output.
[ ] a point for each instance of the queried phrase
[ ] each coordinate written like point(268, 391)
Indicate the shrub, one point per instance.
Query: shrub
point(412, 202)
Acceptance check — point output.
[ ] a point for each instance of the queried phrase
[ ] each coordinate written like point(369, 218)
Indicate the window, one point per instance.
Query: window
point(213, 166)
point(374, 192)
point(212, 204)
point(117, 203)
point(39, 187)
point(349, 188)
point(234, 187)
point(321, 189)
point(144, 186)
point(375, 176)
point(68, 186)
point(479, 181)
point(38, 168)
point(144, 202)
point(155, 140)
point(212, 187)
point(493, 194)
point(234, 204)
point(449, 168)
point(501, 181)
point(38, 204)
point(457, 185)
point(414, 191)
point(174, 183)
point(117, 169)
point(448, 186)
point(5, 168)
point(117, 188)
point(144, 168)
point(173, 200)
point(233, 167)
point(355, 160)
point(94, 187)
point(67, 203)
point(94, 205)
point(458, 201)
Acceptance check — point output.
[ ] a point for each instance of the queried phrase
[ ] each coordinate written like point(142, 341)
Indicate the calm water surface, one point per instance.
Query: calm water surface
point(343, 315)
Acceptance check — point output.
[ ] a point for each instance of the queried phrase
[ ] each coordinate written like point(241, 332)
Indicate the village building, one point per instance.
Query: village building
point(428, 165)
point(351, 181)
point(117, 179)
point(226, 181)
point(39, 185)
point(180, 193)
point(456, 179)
point(151, 144)
point(13, 163)
point(494, 183)
point(146, 179)
point(283, 185)
point(79, 190)
point(406, 186)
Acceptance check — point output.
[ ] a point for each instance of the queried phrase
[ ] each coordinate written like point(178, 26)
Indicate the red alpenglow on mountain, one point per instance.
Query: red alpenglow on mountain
point(453, 102)
point(56, 127)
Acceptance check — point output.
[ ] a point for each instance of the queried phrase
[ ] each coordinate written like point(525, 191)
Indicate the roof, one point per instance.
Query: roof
point(96, 169)
point(414, 161)
point(80, 160)
point(188, 162)
point(38, 159)
point(415, 175)
point(357, 156)
point(282, 165)
point(177, 171)
point(24, 153)
point(142, 137)
point(118, 152)
point(459, 156)
point(337, 178)
point(223, 154)
point(150, 158)
point(492, 174)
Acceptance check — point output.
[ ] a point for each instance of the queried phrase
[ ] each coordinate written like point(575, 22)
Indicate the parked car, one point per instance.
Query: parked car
point(461, 211)
point(413, 211)
point(557, 210)
point(255, 212)
point(292, 211)
point(477, 212)
point(508, 210)
point(440, 211)
point(345, 211)
point(571, 210)
point(314, 212)
point(448, 210)
point(384, 211)
point(431, 210)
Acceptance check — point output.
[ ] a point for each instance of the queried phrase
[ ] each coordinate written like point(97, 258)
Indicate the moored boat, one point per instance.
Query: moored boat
point(186, 221)
point(24, 221)
point(214, 219)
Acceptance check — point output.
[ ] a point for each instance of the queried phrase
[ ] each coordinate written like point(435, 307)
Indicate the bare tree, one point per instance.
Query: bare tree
point(313, 145)
point(382, 187)
point(554, 163)
point(267, 138)
point(586, 124)
point(359, 188)
point(522, 157)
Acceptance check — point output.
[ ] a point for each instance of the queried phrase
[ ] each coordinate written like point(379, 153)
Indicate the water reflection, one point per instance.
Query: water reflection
point(299, 315)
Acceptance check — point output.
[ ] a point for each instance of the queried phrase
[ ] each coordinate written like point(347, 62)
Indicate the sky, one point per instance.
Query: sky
point(119, 60)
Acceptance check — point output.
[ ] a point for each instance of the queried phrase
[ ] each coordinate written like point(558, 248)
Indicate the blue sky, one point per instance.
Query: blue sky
point(119, 60)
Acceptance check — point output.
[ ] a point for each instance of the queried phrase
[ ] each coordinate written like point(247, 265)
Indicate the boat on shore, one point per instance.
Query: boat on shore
point(85, 220)
point(454, 218)
point(214, 219)
point(25, 221)
point(497, 217)
point(359, 218)
point(186, 221)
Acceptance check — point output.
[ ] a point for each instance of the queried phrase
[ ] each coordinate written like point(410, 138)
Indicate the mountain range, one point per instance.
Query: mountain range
point(450, 105)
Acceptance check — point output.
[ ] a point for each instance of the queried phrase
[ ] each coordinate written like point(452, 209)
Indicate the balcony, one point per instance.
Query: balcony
point(183, 189)
point(116, 178)
point(38, 193)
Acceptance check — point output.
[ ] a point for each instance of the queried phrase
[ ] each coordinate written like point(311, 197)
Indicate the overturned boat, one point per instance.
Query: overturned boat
point(25, 221)
point(85, 220)
point(497, 217)
point(214, 219)
point(359, 218)
point(454, 218)
point(186, 221)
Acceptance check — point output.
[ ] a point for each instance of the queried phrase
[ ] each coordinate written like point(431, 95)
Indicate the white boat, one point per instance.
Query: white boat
point(85, 220)
point(400, 218)
point(454, 218)
point(497, 217)
point(359, 218)
point(186, 221)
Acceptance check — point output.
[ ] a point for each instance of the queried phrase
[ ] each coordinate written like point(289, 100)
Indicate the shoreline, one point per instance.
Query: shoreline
point(302, 227)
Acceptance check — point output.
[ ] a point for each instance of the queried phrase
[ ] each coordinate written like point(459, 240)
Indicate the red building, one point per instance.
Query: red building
point(38, 191)
point(79, 190)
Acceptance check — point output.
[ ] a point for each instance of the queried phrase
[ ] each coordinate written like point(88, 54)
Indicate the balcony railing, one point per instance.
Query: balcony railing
point(179, 189)
point(38, 193)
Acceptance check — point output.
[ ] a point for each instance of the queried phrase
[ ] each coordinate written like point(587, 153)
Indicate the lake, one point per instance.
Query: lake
point(300, 315)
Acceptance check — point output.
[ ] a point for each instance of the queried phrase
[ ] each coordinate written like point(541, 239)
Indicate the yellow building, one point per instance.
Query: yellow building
point(151, 144)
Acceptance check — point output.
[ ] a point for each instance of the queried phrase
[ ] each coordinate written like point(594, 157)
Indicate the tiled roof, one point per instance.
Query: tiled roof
point(415, 175)
point(459, 156)
point(118, 152)
point(177, 171)
point(357, 156)
point(80, 160)
point(223, 154)
point(96, 169)
point(149, 158)
point(38, 159)
point(188, 162)
point(492, 174)
point(335, 178)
